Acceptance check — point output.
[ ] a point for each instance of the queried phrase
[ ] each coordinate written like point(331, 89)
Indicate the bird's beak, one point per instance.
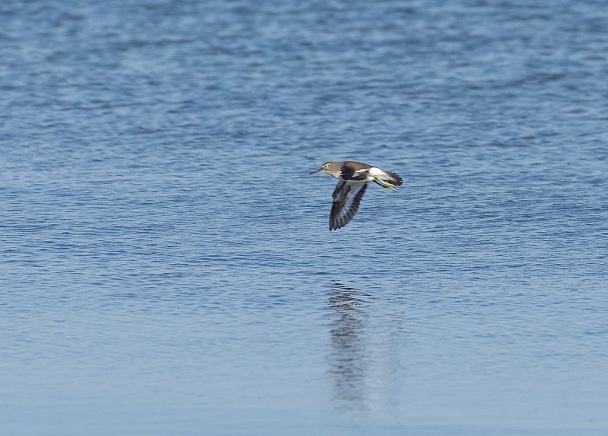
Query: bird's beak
point(316, 171)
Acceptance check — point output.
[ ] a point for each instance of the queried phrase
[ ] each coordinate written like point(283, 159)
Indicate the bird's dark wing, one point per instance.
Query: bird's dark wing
point(348, 172)
point(347, 197)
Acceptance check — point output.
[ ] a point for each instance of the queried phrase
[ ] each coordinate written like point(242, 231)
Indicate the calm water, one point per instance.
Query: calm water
point(166, 266)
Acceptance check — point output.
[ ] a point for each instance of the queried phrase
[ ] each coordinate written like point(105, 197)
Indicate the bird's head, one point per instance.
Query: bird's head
point(332, 168)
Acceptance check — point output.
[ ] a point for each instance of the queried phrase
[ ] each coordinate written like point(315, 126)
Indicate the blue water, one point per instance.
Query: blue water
point(166, 265)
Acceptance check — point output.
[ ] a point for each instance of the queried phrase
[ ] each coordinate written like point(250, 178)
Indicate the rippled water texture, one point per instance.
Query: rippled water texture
point(166, 264)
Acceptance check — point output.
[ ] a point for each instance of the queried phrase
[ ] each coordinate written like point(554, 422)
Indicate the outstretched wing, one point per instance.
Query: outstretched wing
point(347, 197)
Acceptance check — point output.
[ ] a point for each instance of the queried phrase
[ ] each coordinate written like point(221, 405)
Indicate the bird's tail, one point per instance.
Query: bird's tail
point(394, 178)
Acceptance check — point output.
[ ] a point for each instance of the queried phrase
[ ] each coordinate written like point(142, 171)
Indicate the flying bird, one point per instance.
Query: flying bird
point(353, 178)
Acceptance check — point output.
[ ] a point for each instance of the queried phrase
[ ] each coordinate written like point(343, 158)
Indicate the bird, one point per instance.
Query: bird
point(353, 179)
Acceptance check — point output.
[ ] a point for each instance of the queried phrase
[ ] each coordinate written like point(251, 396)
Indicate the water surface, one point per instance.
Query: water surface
point(166, 264)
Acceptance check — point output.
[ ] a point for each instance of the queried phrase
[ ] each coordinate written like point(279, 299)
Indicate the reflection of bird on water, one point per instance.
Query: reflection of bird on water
point(348, 358)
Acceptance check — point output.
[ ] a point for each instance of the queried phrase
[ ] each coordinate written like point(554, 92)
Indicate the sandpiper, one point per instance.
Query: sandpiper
point(353, 178)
